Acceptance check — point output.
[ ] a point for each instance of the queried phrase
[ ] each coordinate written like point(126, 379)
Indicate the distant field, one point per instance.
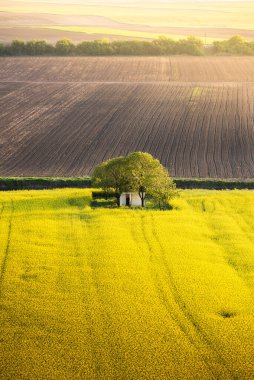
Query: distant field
point(110, 32)
point(156, 295)
point(125, 33)
point(234, 14)
point(63, 116)
point(140, 19)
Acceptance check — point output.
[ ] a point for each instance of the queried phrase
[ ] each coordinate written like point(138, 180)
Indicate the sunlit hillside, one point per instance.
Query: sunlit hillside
point(93, 293)
point(118, 19)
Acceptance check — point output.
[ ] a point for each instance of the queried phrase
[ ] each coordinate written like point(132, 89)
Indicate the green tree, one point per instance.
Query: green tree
point(36, 47)
point(95, 48)
point(191, 46)
point(2, 50)
point(65, 47)
point(17, 47)
point(139, 172)
point(164, 190)
point(235, 45)
point(250, 46)
point(165, 45)
point(149, 177)
point(112, 175)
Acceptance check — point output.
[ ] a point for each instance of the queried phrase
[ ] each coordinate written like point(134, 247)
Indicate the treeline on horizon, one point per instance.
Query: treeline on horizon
point(236, 45)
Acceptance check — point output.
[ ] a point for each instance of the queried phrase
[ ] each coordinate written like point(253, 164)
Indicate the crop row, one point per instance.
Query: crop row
point(203, 130)
point(128, 69)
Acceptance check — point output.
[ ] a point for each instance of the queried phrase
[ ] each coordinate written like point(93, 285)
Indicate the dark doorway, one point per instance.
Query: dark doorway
point(128, 200)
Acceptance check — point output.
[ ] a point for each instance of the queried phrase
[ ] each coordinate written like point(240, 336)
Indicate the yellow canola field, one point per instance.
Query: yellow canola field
point(126, 294)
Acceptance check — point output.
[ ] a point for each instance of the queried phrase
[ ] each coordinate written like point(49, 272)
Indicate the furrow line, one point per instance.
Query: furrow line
point(178, 302)
point(200, 333)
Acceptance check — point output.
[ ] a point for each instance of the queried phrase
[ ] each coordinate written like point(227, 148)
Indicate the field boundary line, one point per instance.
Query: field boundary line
point(7, 250)
point(106, 82)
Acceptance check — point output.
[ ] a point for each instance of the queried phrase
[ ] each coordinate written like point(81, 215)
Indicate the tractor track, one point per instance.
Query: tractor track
point(7, 249)
point(197, 336)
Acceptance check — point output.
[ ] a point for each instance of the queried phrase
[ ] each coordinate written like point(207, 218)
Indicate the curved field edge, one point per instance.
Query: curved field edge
point(108, 293)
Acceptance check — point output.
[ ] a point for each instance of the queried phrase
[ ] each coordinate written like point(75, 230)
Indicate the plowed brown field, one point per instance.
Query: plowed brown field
point(62, 116)
point(128, 69)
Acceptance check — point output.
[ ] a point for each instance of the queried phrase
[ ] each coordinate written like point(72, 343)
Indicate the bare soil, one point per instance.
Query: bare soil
point(127, 69)
point(62, 116)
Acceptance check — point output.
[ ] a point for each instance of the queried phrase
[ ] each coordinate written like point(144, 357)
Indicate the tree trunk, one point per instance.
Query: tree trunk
point(118, 199)
point(142, 195)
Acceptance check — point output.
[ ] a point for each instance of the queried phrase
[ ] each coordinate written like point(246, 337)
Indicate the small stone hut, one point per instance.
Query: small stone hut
point(130, 199)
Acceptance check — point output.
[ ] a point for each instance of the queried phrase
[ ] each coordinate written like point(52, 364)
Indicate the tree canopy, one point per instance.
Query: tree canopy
point(161, 46)
point(112, 175)
point(65, 47)
point(236, 45)
point(138, 172)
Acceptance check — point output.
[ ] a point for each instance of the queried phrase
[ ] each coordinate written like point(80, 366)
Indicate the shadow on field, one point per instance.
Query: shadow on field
point(103, 203)
point(111, 203)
